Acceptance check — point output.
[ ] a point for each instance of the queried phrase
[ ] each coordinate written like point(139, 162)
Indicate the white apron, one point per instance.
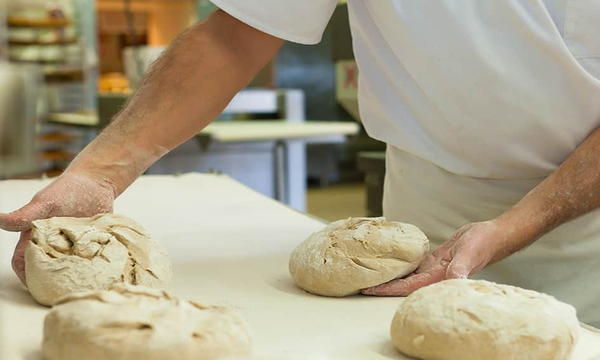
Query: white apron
point(565, 263)
point(495, 89)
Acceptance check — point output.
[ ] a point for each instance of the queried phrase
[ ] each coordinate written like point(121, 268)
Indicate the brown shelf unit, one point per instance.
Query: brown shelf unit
point(39, 61)
point(54, 142)
point(64, 76)
point(43, 43)
point(37, 23)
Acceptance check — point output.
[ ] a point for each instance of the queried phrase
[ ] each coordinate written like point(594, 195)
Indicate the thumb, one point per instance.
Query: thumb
point(461, 266)
point(20, 220)
point(18, 260)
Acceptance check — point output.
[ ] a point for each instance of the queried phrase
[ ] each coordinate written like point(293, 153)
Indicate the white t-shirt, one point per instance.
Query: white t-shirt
point(493, 89)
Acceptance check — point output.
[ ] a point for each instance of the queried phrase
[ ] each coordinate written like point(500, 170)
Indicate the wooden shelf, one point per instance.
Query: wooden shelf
point(56, 155)
point(37, 23)
point(43, 43)
point(78, 119)
point(51, 173)
point(40, 61)
point(57, 137)
point(64, 76)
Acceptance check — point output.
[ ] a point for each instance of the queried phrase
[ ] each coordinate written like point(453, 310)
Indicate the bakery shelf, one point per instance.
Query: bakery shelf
point(64, 76)
point(57, 155)
point(37, 23)
point(57, 137)
point(83, 119)
point(43, 43)
point(38, 61)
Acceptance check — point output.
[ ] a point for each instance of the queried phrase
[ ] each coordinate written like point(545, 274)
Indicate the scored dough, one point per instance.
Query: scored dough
point(67, 255)
point(133, 322)
point(474, 320)
point(356, 253)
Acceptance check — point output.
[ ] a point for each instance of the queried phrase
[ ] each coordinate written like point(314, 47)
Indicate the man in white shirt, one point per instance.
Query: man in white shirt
point(489, 110)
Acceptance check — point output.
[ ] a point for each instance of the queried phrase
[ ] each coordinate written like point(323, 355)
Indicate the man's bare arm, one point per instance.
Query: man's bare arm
point(185, 89)
point(570, 191)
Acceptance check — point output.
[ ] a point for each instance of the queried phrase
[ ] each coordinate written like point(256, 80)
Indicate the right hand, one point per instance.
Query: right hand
point(70, 195)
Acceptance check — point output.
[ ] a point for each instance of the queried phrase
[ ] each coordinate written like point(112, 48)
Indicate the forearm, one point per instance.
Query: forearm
point(184, 90)
point(571, 191)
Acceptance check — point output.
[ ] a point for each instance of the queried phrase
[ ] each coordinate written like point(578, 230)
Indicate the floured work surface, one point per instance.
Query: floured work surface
point(230, 246)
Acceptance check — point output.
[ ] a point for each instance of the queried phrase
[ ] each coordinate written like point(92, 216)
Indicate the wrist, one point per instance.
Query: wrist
point(522, 225)
point(114, 167)
point(96, 176)
point(506, 236)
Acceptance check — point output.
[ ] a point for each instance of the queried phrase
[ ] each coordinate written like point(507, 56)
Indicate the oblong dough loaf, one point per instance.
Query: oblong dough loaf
point(474, 320)
point(133, 322)
point(356, 253)
point(67, 255)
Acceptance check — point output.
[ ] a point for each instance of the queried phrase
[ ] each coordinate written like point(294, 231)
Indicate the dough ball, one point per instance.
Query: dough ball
point(474, 320)
point(67, 255)
point(134, 322)
point(356, 253)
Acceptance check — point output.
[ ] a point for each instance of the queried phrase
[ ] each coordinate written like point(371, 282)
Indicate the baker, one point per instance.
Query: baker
point(489, 110)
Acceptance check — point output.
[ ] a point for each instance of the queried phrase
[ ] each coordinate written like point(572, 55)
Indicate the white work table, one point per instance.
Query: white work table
point(280, 133)
point(229, 245)
point(245, 131)
point(240, 131)
point(288, 138)
point(266, 155)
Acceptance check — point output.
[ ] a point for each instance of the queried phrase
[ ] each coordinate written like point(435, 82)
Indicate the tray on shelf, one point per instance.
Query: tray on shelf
point(57, 155)
point(14, 21)
point(38, 61)
point(43, 43)
point(63, 75)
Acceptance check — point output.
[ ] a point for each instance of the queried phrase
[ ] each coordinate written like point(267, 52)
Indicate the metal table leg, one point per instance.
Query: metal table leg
point(279, 170)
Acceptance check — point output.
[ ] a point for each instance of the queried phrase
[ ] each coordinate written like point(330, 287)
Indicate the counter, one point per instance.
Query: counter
point(229, 245)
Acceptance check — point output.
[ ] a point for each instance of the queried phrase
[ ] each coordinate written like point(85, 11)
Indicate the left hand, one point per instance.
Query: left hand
point(470, 249)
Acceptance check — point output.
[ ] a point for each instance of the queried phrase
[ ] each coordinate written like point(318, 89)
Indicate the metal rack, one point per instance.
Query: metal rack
point(48, 39)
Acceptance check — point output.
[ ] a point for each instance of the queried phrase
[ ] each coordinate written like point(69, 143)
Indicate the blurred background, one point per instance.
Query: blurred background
point(295, 135)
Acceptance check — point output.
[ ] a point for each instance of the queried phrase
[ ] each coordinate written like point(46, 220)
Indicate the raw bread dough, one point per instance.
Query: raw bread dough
point(133, 322)
point(356, 253)
point(474, 320)
point(67, 255)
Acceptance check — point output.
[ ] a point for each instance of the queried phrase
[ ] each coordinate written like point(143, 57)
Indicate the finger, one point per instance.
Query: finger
point(18, 260)
point(405, 286)
point(20, 220)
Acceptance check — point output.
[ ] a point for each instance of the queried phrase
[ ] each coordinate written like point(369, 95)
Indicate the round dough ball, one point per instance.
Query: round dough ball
point(67, 255)
point(356, 253)
point(474, 320)
point(133, 322)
